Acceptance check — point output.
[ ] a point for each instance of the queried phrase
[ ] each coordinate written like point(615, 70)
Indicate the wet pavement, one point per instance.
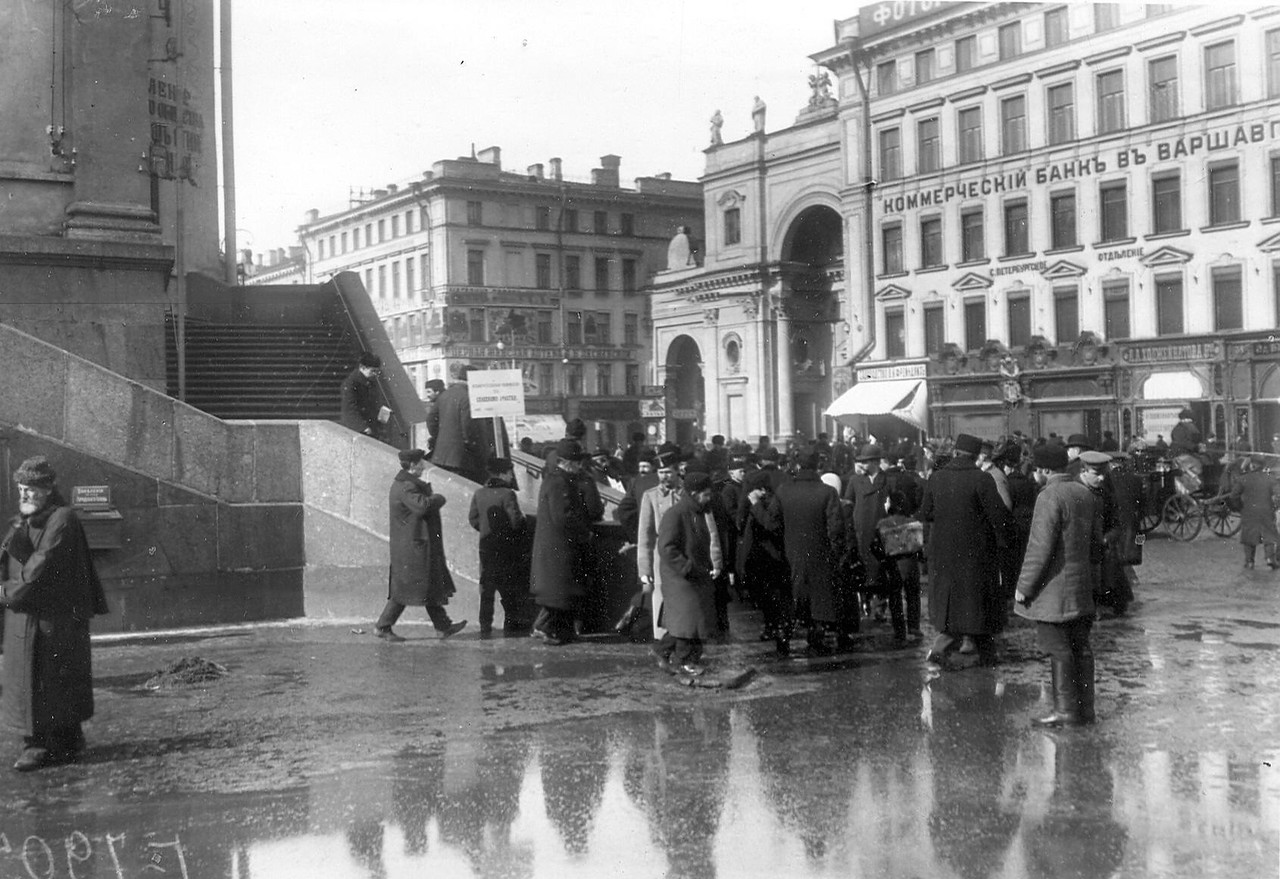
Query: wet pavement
point(325, 753)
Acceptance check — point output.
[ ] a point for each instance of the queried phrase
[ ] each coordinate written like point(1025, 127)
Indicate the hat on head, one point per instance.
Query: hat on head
point(370, 361)
point(1008, 456)
point(696, 481)
point(1186, 413)
point(987, 448)
point(737, 464)
point(602, 453)
point(808, 461)
point(696, 466)
point(666, 460)
point(871, 452)
point(717, 440)
point(434, 384)
point(570, 450)
point(757, 479)
point(36, 472)
point(575, 428)
point(968, 443)
point(1050, 456)
point(649, 455)
point(769, 454)
point(1118, 455)
point(411, 456)
point(1095, 459)
point(498, 466)
point(1080, 441)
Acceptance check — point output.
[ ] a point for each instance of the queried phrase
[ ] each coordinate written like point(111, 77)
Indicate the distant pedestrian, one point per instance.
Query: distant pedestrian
point(419, 573)
point(504, 560)
point(361, 398)
point(462, 445)
point(50, 592)
point(568, 505)
point(690, 553)
point(431, 392)
point(967, 533)
point(1059, 575)
point(1256, 492)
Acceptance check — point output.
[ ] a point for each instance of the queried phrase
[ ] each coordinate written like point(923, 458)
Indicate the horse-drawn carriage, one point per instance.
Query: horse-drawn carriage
point(1184, 494)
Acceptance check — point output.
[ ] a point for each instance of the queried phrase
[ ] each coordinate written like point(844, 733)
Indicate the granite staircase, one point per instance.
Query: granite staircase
point(255, 371)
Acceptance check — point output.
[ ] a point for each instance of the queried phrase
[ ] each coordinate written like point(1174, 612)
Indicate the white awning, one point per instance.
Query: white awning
point(906, 399)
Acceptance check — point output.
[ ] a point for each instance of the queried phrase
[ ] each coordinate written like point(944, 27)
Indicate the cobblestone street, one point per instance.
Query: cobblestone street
point(326, 753)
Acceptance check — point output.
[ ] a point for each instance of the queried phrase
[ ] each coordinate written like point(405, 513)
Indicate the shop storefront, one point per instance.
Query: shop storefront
point(1157, 380)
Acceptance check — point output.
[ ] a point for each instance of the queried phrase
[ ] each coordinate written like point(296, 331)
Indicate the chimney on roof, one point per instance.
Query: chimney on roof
point(273, 258)
point(556, 173)
point(295, 251)
point(428, 175)
point(391, 187)
point(492, 155)
point(246, 258)
point(607, 173)
point(313, 216)
point(535, 171)
point(665, 175)
point(379, 193)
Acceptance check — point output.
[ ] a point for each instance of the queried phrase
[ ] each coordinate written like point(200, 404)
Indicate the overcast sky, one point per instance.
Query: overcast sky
point(332, 94)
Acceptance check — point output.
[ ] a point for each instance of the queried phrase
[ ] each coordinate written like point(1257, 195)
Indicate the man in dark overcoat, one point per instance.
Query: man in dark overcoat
point(419, 574)
point(361, 400)
point(1256, 493)
point(968, 532)
point(463, 443)
point(568, 504)
point(691, 558)
point(763, 574)
point(50, 592)
point(504, 560)
point(867, 487)
point(813, 533)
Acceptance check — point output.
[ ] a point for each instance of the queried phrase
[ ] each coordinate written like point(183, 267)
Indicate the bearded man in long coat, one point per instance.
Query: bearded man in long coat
point(50, 592)
point(418, 573)
point(968, 534)
point(568, 504)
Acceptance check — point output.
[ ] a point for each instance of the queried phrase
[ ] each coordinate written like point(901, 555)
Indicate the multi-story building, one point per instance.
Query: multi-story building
point(1075, 215)
point(476, 264)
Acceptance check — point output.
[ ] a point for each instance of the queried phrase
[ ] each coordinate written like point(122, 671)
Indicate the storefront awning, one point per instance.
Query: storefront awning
point(906, 399)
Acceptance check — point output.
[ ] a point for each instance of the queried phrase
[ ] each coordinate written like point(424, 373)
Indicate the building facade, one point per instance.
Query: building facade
point(755, 340)
point(1075, 212)
point(476, 264)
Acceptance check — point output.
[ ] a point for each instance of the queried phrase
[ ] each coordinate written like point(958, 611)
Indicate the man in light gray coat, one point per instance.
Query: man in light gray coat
point(1059, 574)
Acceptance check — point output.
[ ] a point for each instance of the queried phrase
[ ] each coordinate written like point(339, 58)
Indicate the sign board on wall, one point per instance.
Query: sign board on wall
point(496, 393)
point(653, 409)
point(1157, 421)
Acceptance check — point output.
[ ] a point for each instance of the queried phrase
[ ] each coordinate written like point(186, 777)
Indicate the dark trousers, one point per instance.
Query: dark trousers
point(904, 582)
point(680, 651)
point(514, 597)
point(775, 606)
point(391, 613)
point(1066, 642)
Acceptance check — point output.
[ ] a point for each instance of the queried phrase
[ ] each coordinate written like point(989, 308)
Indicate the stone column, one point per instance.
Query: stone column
point(712, 401)
point(786, 409)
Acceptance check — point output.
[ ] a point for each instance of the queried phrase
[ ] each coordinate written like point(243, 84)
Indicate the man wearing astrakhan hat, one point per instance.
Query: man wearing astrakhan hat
point(50, 592)
point(568, 505)
point(419, 574)
point(968, 530)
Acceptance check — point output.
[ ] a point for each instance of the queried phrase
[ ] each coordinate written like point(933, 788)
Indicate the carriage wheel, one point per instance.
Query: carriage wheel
point(1182, 517)
point(1148, 522)
point(1223, 521)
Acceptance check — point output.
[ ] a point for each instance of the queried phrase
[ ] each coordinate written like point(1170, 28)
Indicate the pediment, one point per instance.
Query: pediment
point(731, 198)
point(1165, 256)
point(1063, 269)
point(972, 281)
point(892, 293)
point(1270, 245)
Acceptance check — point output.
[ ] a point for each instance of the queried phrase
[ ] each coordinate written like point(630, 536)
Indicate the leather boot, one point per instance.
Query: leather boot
point(1066, 704)
point(1084, 688)
point(623, 625)
point(1249, 553)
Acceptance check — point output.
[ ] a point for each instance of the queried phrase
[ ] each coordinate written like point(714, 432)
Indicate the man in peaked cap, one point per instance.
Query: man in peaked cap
point(967, 538)
point(419, 574)
point(50, 594)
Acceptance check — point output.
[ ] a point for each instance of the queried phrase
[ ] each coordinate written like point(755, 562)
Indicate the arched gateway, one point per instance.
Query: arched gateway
point(686, 402)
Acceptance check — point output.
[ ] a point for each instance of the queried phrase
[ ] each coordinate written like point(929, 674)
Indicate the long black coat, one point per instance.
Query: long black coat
point(463, 444)
point(567, 505)
point(419, 574)
point(360, 403)
point(684, 557)
point(50, 593)
point(762, 556)
point(1256, 492)
point(969, 531)
point(813, 533)
point(495, 513)
point(869, 495)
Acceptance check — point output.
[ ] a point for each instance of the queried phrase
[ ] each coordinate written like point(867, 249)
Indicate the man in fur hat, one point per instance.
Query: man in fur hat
point(50, 592)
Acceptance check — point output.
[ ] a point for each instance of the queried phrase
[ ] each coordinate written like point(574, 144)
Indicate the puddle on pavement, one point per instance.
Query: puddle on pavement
point(806, 786)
